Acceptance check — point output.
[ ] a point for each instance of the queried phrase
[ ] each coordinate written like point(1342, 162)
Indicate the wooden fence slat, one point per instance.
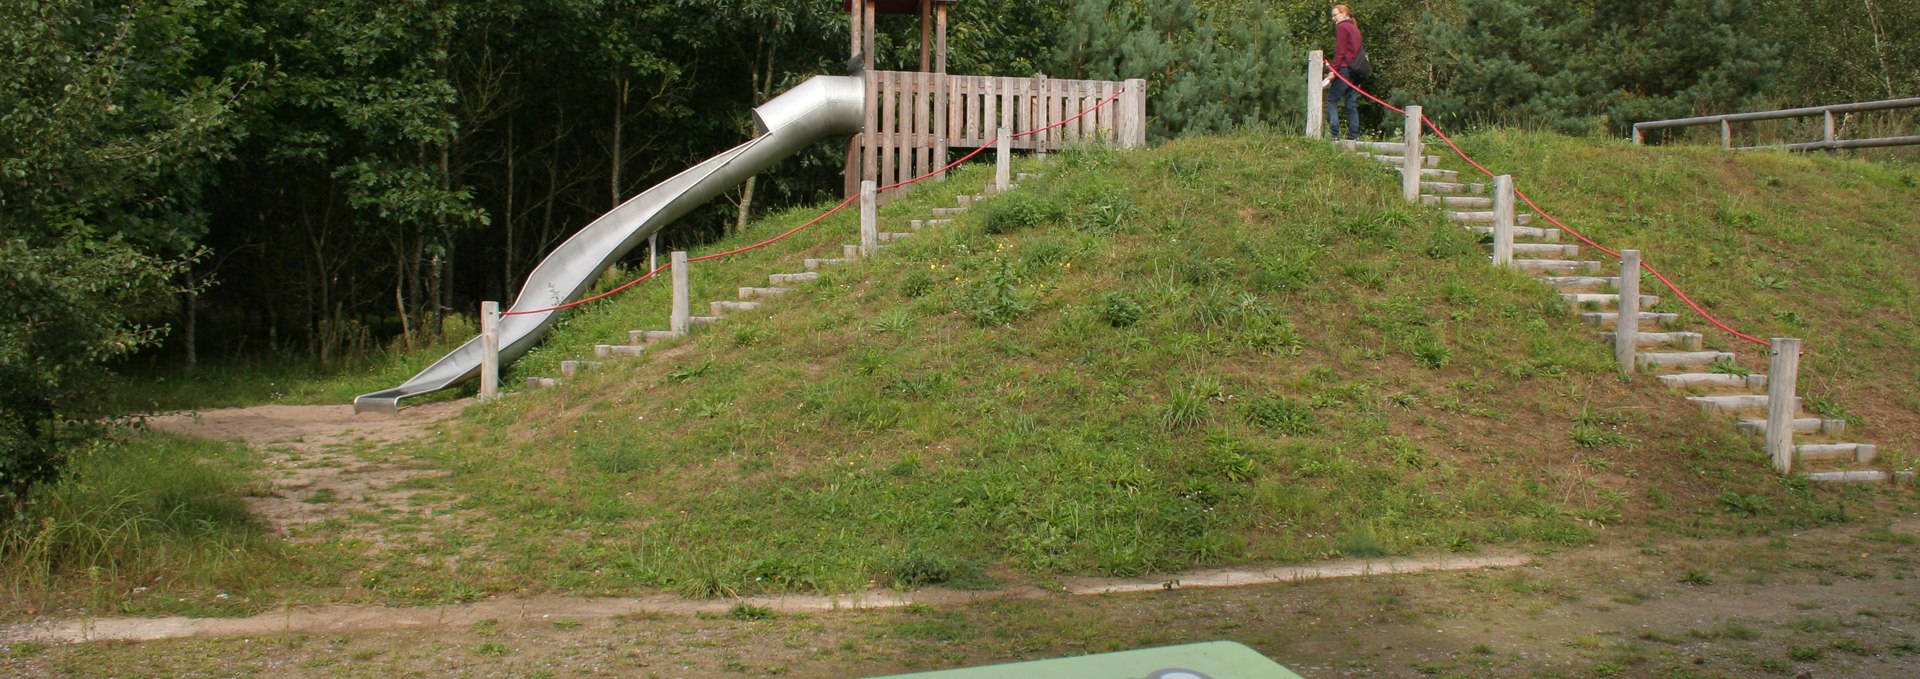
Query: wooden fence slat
point(889, 114)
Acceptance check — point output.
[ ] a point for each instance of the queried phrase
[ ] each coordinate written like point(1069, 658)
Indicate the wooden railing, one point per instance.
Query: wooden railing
point(914, 120)
point(1829, 141)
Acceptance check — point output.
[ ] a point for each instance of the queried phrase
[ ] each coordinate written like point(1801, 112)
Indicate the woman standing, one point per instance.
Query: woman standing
point(1347, 47)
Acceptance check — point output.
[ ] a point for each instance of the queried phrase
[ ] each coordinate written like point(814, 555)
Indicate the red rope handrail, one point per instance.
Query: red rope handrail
point(1556, 222)
point(829, 213)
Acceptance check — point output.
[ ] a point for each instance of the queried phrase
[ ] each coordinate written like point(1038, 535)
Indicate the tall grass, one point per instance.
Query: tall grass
point(142, 523)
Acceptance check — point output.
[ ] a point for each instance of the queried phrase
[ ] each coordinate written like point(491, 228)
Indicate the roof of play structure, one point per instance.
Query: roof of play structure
point(894, 6)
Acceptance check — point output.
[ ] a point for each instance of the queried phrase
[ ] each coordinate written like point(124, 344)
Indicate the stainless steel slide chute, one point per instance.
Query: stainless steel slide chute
point(821, 108)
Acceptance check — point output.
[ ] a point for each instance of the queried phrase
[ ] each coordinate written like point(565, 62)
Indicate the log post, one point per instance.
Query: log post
point(489, 350)
point(1316, 95)
point(1626, 333)
point(1413, 156)
point(681, 318)
point(1003, 162)
point(1503, 215)
point(869, 220)
point(1783, 372)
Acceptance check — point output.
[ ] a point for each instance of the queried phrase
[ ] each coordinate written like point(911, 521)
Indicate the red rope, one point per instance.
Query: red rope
point(829, 213)
point(1556, 222)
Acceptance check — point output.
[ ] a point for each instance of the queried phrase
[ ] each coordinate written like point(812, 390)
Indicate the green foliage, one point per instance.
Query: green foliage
point(1119, 309)
point(1017, 212)
point(997, 298)
point(1208, 69)
point(139, 510)
point(1583, 69)
point(74, 305)
point(1282, 415)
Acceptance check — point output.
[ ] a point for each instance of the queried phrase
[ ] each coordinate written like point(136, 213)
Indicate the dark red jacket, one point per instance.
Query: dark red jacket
point(1346, 43)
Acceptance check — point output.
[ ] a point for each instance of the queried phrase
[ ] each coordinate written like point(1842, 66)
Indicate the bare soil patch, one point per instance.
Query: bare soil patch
point(321, 462)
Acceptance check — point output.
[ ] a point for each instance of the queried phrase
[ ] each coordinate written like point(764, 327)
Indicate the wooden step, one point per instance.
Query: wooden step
point(1735, 403)
point(1606, 299)
point(1857, 453)
point(542, 383)
point(1716, 380)
point(815, 264)
point(949, 211)
point(1653, 360)
point(1519, 232)
point(649, 336)
point(1555, 265)
point(1437, 175)
point(750, 293)
point(1582, 283)
point(1486, 217)
point(1678, 340)
point(1800, 425)
point(1474, 202)
point(1544, 250)
point(1851, 476)
point(780, 279)
point(1608, 319)
point(722, 307)
point(1453, 188)
point(890, 236)
point(605, 351)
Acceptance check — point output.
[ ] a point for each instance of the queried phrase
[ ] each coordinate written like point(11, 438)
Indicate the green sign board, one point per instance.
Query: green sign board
point(1213, 660)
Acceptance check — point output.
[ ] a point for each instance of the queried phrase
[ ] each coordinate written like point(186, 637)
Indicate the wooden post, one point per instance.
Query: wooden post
point(681, 318)
point(853, 27)
point(1003, 162)
point(926, 35)
point(1133, 115)
point(1412, 158)
point(1726, 133)
point(1040, 103)
point(1316, 97)
point(1829, 126)
point(489, 350)
point(869, 220)
point(1626, 333)
point(653, 252)
point(1639, 136)
point(1783, 373)
point(867, 31)
point(1503, 221)
point(940, 39)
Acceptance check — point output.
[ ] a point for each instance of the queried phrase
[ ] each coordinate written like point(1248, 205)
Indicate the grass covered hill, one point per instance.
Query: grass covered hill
point(1220, 351)
point(1224, 350)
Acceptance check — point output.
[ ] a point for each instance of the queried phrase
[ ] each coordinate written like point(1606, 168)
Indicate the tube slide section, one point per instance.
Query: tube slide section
point(821, 108)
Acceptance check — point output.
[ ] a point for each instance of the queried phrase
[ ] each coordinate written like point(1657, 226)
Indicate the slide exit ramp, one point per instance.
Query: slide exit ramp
point(821, 108)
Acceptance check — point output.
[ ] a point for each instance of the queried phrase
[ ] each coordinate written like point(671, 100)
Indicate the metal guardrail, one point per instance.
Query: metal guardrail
point(1830, 141)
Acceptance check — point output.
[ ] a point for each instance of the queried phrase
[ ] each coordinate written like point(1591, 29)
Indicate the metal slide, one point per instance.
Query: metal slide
point(821, 108)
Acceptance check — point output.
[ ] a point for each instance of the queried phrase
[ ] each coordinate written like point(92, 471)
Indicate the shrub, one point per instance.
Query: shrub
point(1119, 310)
point(1283, 415)
point(1017, 212)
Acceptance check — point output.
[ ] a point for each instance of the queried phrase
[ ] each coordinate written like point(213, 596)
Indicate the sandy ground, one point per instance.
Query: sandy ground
point(309, 452)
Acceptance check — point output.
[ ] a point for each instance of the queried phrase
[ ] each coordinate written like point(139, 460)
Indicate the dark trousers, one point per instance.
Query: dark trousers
point(1341, 90)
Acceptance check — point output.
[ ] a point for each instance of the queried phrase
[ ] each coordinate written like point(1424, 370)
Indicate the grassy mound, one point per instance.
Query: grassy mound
point(1221, 351)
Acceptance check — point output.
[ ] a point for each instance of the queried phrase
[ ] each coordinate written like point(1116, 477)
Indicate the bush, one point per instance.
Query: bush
point(1119, 310)
point(1015, 212)
point(1283, 415)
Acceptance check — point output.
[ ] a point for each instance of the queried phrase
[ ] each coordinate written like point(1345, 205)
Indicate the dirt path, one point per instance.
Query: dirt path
point(1833, 602)
point(322, 461)
point(336, 619)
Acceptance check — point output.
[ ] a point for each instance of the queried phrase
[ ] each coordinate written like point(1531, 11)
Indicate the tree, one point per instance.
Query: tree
point(106, 140)
point(1199, 78)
